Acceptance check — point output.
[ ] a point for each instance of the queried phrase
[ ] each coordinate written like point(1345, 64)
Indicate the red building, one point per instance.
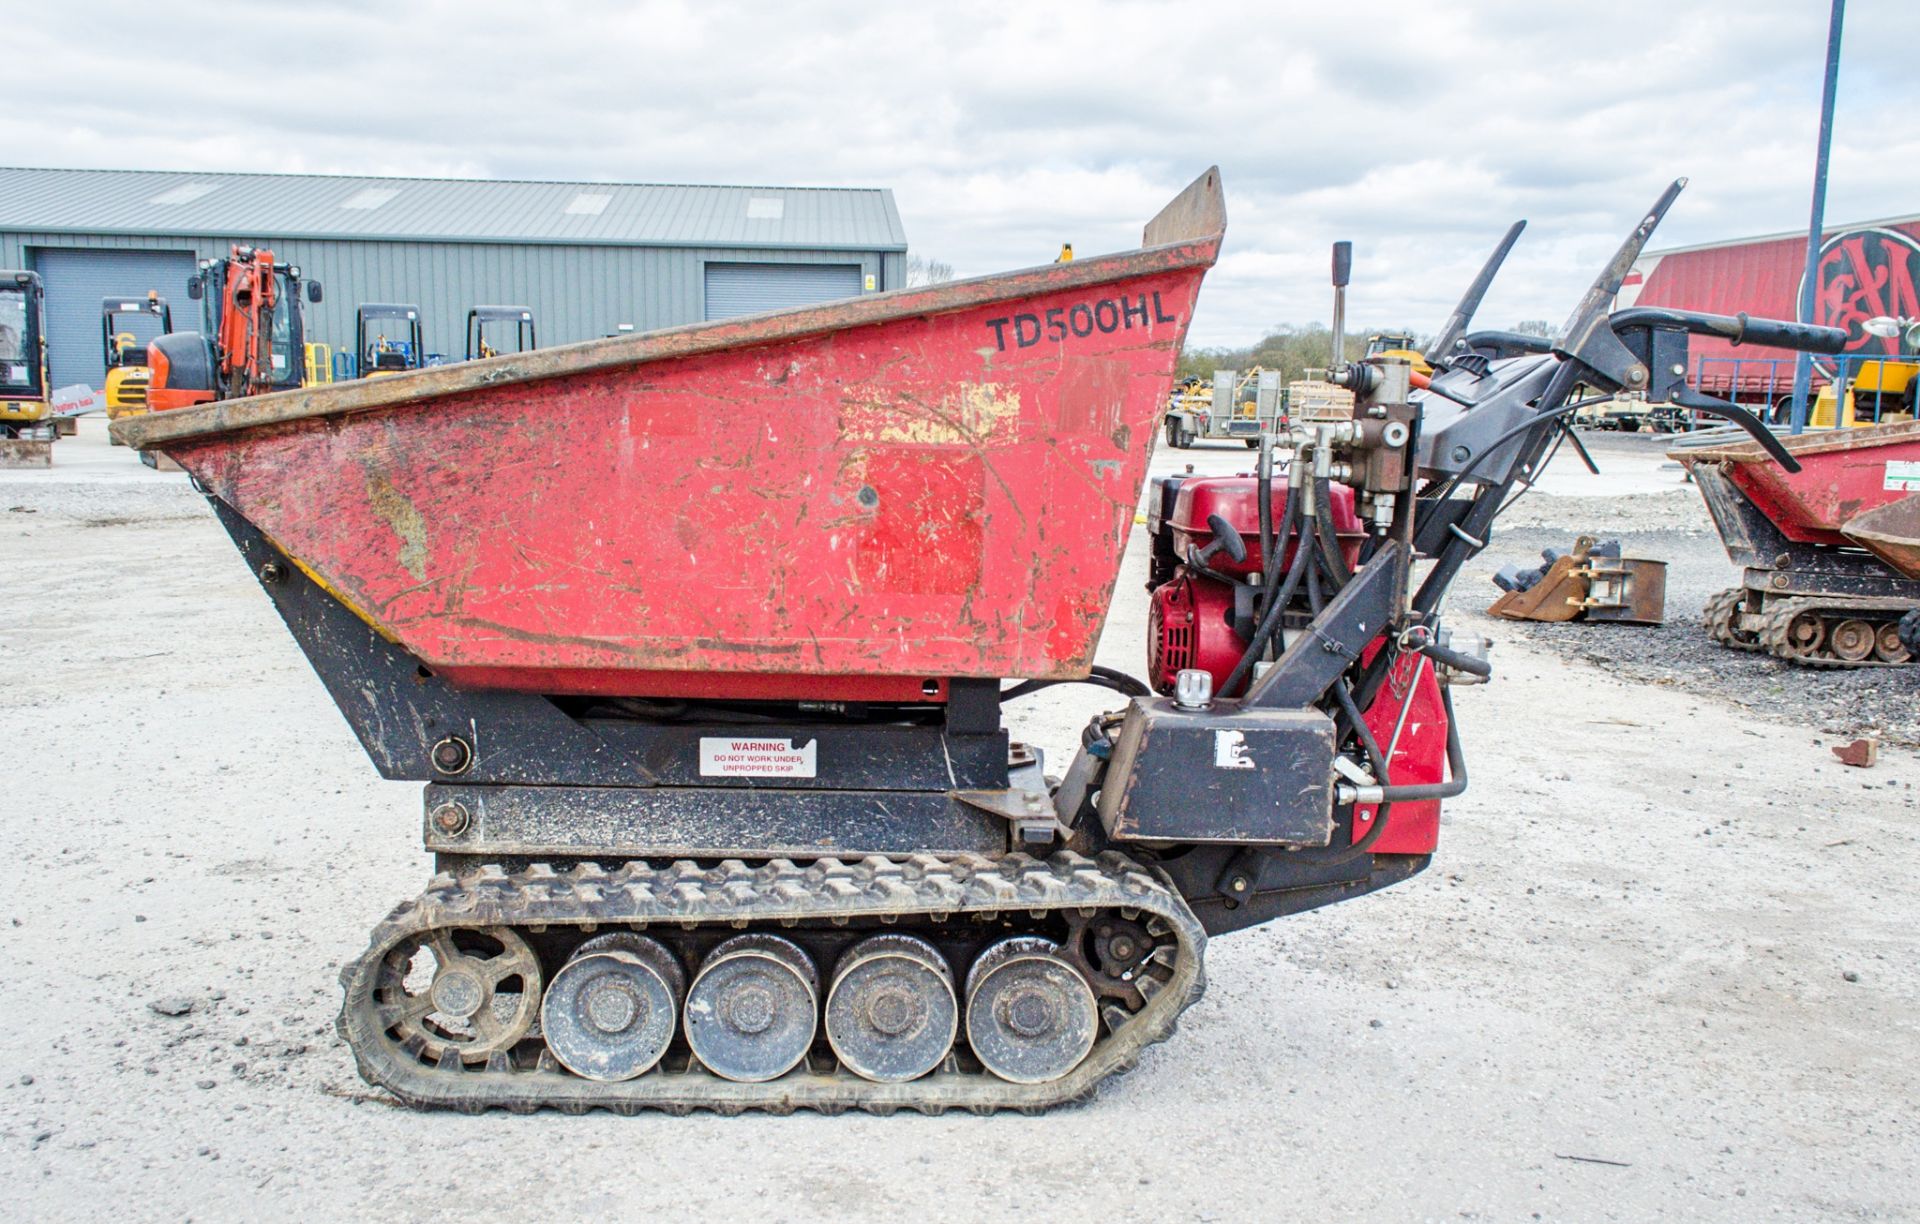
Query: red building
point(1865, 270)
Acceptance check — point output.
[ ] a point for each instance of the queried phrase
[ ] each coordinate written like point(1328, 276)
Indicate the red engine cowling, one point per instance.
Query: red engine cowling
point(1190, 624)
point(1237, 500)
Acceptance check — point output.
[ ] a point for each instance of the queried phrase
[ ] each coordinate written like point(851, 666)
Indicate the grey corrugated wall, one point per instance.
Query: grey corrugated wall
point(576, 292)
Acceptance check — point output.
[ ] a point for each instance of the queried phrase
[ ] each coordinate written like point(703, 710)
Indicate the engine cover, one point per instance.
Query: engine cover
point(1190, 623)
point(1237, 500)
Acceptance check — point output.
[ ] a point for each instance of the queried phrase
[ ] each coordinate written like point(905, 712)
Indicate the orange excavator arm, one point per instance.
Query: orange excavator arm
point(245, 345)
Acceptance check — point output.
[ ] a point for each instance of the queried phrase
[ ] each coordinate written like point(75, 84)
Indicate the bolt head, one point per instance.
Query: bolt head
point(451, 819)
point(452, 755)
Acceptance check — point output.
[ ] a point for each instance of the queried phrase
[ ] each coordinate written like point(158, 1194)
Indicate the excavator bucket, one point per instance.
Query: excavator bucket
point(858, 500)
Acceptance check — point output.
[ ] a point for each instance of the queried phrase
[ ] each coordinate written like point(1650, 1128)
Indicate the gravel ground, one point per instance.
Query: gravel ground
point(1635, 984)
point(1672, 525)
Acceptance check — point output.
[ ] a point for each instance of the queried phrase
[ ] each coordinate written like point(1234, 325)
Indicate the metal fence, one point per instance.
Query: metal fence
point(1882, 387)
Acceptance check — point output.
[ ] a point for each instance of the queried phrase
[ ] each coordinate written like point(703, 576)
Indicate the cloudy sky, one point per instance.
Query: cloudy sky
point(1416, 130)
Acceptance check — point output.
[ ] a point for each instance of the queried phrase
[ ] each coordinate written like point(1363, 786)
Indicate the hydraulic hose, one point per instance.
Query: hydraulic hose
point(1277, 601)
point(1383, 811)
point(1470, 536)
point(1104, 677)
point(1413, 793)
point(1417, 792)
point(1334, 564)
point(1263, 488)
point(1273, 549)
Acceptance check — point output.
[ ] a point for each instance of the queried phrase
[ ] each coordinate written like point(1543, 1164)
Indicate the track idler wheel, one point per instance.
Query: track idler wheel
point(752, 1011)
point(1030, 1015)
point(891, 1012)
point(1719, 613)
point(479, 1000)
point(613, 1009)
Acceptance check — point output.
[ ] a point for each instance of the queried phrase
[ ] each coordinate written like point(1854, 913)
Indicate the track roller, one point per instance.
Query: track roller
point(1888, 646)
point(1851, 640)
point(891, 1012)
point(752, 1011)
point(1030, 1015)
point(612, 1010)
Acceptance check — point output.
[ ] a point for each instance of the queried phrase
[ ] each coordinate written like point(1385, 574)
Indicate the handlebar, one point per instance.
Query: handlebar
point(1737, 329)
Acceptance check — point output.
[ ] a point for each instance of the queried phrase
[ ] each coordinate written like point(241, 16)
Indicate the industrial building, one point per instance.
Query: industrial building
point(587, 257)
point(1865, 269)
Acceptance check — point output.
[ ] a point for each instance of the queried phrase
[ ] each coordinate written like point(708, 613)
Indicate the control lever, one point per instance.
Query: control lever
point(1473, 665)
point(1580, 449)
point(1687, 397)
point(1640, 328)
point(1440, 352)
point(1342, 273)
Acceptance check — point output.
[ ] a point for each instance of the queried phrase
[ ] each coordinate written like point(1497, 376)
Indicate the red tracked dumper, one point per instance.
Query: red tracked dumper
point(1830, 555)
point(699, 638)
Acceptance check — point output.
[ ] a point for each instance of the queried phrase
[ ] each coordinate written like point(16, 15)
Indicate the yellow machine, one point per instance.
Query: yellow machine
point(1398, 344)
point(1877, 391)
point(380, 354)
point(26, 430)
point(124, 349)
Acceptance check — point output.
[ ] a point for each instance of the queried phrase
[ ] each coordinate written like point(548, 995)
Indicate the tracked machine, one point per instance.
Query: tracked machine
point(252, 340)
point(26, 409)
point(124, 353)
point(724, 808)
point(1829, 554)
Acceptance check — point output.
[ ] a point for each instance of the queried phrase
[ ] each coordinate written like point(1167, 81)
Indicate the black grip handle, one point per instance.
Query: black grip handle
point(1227, 536)
point(1457, 661)
point(1781, 333)
point(1740, 328)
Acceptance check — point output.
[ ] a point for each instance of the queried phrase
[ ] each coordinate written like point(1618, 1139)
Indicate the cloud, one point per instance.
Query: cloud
point(1417, 132)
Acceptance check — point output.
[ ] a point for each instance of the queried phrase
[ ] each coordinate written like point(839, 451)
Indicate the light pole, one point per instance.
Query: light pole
point(1803, 362)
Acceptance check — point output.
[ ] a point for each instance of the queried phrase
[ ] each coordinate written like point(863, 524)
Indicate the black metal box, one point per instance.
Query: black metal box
point(1225, 774)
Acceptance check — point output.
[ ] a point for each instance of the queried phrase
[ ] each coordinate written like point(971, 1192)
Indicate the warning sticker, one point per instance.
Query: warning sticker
point(1903, 475)
point(731, 757)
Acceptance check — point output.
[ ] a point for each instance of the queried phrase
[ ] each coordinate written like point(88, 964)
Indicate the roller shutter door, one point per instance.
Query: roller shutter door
point(76, 280)
point(751, 288)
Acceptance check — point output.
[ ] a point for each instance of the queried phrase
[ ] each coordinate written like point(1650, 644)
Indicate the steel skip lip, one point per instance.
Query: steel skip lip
point(1186, 234)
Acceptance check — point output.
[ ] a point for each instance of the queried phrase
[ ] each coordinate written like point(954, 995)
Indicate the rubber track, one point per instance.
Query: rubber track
point(1718, 619)
point(736, 894)
point(1780, 612)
